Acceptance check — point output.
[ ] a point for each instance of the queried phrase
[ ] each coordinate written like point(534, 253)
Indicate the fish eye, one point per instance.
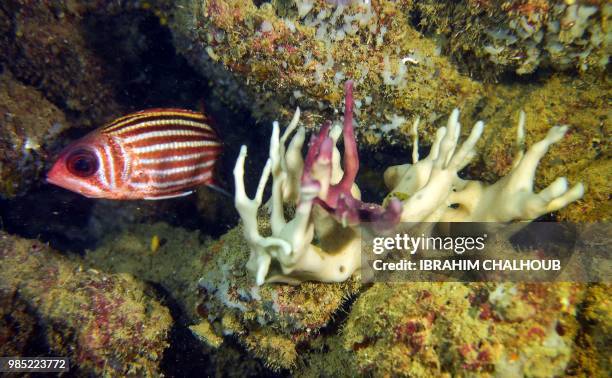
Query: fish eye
point(82, 163)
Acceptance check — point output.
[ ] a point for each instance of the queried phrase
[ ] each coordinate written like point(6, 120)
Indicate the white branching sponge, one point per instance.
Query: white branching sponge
point(436, 193)
point(328, 207)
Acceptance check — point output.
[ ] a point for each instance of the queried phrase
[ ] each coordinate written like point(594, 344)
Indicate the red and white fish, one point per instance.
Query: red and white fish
point(151, 154)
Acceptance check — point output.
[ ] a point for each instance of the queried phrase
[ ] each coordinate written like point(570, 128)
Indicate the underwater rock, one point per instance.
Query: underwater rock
point(106, 324)
point(208, 282)
point(44, 45)
point(271, 321)
point(592, 358)
point(17, 323)
point(54, 46)
point(492, 37)
point(438, 329)
point(29, 121)
point(174, 261)
point(278, 55)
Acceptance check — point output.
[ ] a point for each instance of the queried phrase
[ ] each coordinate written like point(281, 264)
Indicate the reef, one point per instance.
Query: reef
point(493, 37)
point(592, 356)
point(29, 123)
point(282, 54)
point(17, 323)
point(328, 208)
point(273, 322)
point(250, 302)
point(106, 324)
point(169, 256)
point(425, 329)
point(272, 57)
point(45, 45)
point(582, 155)
point(224, 301)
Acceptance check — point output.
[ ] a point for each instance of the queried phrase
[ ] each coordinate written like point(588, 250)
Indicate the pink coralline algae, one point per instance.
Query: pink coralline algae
point(337, 198)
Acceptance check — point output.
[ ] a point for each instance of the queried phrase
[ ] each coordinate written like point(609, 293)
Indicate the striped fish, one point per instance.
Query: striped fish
point(151, 154)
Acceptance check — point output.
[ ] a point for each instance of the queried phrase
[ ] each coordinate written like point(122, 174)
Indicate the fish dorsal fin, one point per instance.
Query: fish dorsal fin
point(151, 114)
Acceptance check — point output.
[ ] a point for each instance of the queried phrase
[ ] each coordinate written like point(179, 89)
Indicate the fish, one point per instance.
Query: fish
point(152, 154)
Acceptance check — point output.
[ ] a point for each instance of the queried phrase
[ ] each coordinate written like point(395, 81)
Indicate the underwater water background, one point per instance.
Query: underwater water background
point(160, 288)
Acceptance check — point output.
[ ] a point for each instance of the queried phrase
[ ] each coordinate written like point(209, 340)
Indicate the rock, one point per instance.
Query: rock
point(29, 122)
point(107, 324)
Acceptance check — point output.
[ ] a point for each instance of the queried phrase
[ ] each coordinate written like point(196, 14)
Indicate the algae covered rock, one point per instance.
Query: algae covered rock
point(169, 256)
point(592, 358)
point(66, 50)
point(491, 37)
point(278, 55)
point(106, 324)
point(274, 322)
point(208, 281)
point(28, 121)
point(456, 329)
point(174, 259)
point(17, 323)
point(45, 45)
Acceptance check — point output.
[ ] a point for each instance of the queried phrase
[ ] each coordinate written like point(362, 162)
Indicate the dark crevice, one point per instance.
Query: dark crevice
point(372, 165)
point(187, 356)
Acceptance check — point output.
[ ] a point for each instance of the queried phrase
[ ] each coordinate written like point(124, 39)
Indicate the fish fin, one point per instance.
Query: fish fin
point(167, 196)
point(210, 120)
point(217, 188)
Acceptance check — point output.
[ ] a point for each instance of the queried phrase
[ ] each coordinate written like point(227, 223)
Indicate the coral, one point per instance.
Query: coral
point(322, 182)
point(429, 190)
point(281, 54)
point(29, 122)
point(490, 37)
point(106, 324)
point(334, 185)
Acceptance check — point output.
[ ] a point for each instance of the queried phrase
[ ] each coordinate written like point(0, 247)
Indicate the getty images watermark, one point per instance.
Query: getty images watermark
point(535, 252)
